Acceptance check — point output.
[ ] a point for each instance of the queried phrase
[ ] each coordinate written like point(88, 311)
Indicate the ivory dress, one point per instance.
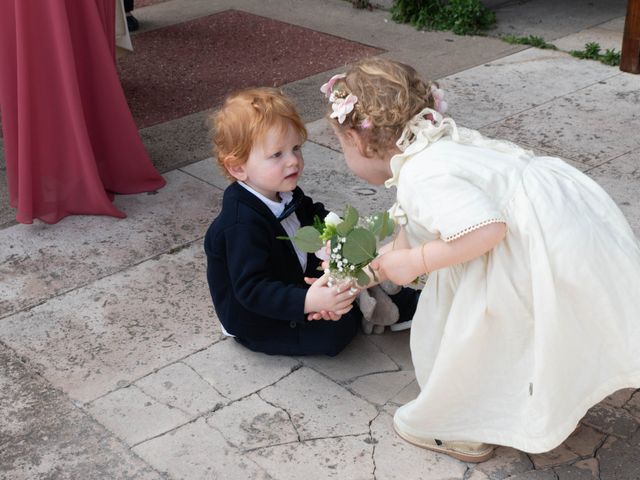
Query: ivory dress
point(512, 348)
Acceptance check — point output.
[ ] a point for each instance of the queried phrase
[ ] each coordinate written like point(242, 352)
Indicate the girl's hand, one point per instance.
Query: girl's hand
point(399, 266)
point(405, 265)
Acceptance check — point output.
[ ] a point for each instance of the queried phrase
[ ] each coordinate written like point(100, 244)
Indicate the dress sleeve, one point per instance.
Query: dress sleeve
point(450, 206)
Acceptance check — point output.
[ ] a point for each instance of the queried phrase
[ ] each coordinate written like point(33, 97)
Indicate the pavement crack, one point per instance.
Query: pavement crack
point(131, 382)
point(204, 379)
point(597, 450)
point(254, 392)
point(278, 407)
point(162, 402)
point(530, 460)
point(467, 473)
point(306, 440)
point(374, 443)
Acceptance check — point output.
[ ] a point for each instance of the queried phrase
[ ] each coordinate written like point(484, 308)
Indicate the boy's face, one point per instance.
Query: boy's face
point(274, 164)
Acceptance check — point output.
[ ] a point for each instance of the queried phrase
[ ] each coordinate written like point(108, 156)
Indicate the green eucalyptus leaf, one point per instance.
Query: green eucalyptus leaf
point(351, 217)
point(362, 279)
point(360, 246)
point(382, 225)
point(388, 226)
point(308, 239)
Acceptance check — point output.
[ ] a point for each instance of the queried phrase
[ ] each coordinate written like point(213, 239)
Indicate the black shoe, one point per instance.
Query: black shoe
point(132, 23)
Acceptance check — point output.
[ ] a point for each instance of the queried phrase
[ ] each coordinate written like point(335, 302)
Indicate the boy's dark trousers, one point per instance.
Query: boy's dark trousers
point(128, 5)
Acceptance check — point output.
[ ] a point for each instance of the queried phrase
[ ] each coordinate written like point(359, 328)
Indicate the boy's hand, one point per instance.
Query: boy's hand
point(325, 315)
point(328, 302)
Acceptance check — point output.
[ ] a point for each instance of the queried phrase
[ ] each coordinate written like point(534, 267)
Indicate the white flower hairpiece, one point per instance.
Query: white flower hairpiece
point(327, 88)
point(342, 105)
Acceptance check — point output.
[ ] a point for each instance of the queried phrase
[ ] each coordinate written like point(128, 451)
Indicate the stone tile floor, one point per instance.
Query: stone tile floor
point(114, 367)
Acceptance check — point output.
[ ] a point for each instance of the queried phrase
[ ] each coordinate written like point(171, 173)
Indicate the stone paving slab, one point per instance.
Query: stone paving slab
point(582, 470)
point(237, 372)
point(327, 458)
point(179, 386)
point(396, 459)
point(620, 178)
point(253, 423)
point(361, 357)
point(499, 89)
point(506, 462)
point(618, 459)
point(318, 407)
point(120, 328)
point(43, 435)
point(379, 388)
point(135, 416)
point(40, 261)
point(608, 35)
point(551, 19)
point(199, 451)
point(583, 126)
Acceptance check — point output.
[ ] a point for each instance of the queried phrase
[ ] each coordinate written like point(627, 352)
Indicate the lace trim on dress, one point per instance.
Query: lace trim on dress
point(462, 233)
point(430, 126)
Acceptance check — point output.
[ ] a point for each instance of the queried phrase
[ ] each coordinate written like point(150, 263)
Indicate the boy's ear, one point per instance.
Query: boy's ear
point(236, 171)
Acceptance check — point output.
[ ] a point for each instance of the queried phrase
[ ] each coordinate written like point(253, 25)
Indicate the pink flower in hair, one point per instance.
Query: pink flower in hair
point(366, 123)
point(342, 107)
point(439, 104)
point(327, 88)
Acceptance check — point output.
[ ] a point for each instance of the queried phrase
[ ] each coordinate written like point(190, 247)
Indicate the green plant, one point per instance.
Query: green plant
point(462, 17)
point(532, 40)
point(611, 57)
point(361, 4)
point(592, 52)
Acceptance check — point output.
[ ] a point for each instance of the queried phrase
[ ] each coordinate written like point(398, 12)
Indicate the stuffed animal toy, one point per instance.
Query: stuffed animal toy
point(378, 310)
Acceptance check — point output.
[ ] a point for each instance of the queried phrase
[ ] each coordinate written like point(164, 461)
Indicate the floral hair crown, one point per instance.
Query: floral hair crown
point(343, 103)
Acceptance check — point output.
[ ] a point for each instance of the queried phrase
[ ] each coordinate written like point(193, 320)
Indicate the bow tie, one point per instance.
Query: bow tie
point(290, 207)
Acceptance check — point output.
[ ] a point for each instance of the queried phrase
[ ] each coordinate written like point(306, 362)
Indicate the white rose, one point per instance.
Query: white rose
point(332, 219)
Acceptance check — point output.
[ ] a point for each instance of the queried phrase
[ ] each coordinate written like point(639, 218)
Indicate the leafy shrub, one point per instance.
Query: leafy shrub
point(462, 17)
point(532, 40)
point(592, 52)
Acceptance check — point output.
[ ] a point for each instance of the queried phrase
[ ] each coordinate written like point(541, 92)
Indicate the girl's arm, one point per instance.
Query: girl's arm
point(402, 266)
point(400, 241)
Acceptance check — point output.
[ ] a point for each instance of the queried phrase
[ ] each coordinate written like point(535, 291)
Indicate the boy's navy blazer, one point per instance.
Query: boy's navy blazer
point(256, 281)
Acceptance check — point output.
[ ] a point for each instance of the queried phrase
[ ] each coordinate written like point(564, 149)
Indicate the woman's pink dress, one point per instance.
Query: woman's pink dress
point(70, 141)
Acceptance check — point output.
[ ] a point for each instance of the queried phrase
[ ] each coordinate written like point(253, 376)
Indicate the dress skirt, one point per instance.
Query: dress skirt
point(70, 140)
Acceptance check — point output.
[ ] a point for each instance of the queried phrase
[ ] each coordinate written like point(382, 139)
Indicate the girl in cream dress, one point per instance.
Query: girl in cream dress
point(530, 312)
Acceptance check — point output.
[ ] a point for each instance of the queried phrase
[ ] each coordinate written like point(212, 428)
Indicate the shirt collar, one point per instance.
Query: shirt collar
point(276, 207)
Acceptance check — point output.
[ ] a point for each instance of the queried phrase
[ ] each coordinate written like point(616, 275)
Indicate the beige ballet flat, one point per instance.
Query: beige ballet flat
point(465, 451)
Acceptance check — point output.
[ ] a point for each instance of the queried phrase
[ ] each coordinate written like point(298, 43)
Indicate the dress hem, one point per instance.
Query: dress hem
point(527, 443)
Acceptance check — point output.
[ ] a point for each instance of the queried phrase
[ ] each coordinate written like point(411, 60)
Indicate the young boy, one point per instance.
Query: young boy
point(257, 281)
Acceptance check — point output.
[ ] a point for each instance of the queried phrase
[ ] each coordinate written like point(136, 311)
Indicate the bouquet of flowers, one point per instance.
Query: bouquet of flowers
point(352, 243)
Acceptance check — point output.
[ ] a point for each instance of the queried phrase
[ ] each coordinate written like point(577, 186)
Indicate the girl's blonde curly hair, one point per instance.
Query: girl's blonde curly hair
point(389, 95)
